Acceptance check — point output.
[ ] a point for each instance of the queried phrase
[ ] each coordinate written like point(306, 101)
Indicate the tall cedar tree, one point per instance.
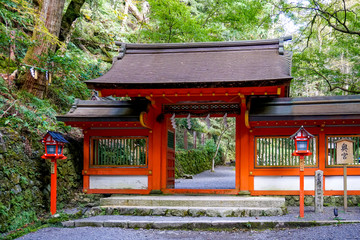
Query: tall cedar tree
point(51, 15)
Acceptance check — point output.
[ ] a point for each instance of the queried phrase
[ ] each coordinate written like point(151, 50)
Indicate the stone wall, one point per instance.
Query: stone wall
point(25, 177)
point(329, 201)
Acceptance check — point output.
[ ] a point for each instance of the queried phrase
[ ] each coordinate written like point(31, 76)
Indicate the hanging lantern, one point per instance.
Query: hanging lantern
point(189, 121)
point(207, 120)
point(173, 122)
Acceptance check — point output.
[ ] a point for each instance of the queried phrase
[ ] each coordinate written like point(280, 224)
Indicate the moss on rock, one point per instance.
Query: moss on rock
point(25, 178)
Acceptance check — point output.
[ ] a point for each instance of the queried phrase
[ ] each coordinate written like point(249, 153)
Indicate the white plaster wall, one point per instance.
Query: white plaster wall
point(337, 183)
point(284, 183)
point(118, 182)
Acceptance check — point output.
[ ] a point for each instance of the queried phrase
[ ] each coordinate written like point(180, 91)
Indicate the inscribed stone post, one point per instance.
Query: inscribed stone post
point(319, 193)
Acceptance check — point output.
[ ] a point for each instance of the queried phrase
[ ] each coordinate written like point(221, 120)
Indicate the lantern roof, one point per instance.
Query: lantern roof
point(303, 132)
point(57, 136)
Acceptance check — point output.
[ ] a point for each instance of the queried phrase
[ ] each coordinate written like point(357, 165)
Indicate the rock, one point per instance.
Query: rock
point(17, 189)
point(187, 176)
point(2, 144)
point(15, 178)
point(308, 200)
point(291, 202)
point(354, 200)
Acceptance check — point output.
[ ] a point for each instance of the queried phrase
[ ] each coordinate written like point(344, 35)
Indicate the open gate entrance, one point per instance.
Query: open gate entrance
point(217, 140)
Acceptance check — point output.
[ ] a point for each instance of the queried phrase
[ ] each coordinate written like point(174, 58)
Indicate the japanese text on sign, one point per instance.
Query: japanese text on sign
point(344, 151)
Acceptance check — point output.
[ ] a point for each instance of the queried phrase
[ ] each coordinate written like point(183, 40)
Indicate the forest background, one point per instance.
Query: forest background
point(48, 48)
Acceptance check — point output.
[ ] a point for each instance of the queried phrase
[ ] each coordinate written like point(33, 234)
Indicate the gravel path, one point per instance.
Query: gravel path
point(222, 178)
point(344, 231)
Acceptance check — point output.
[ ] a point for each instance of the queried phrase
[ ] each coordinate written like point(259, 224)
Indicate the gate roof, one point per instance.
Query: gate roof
point(194, 65)
point(306, 108)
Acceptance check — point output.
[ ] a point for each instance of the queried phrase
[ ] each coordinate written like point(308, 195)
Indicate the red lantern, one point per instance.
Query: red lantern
point(302, 139)
point(54, 145)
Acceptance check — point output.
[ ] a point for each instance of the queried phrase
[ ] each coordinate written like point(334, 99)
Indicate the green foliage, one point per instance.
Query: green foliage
point(21, 195)
point(200, 20)
point(172, 21)
point(326, 51)
point(195, 161)
point(25, 179)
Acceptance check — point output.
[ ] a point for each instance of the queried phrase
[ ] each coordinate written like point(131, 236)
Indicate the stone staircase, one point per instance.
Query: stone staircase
point(192, 206)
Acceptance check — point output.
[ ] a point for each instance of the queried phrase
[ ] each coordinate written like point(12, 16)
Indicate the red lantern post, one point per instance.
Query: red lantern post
point(54, 146)
point(302, 139)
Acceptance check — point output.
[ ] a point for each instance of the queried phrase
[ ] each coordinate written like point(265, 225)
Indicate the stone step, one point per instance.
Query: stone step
point(187, 211)
point(194, 201)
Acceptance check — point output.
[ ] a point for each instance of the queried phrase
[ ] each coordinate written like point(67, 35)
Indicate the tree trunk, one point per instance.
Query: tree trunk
point(202, 139)
point(140, 16)
point(50, 17)
point(217, 148)
point(71, 14)
point(185, 139)
point(126, 12)
point(194, 139)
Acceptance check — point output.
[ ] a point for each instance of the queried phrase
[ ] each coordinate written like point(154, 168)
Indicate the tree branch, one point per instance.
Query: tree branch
point(331, 88)
point(327, 16)
point(217, 147)
point(8, 108)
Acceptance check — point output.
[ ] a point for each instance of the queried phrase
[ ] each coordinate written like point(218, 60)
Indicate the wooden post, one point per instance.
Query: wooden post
point(301, 186)
point(345, 187)
point(345, 155)
point(53, 186)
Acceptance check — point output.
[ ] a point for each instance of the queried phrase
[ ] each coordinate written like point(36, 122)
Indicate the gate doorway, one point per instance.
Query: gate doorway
point(203, 155)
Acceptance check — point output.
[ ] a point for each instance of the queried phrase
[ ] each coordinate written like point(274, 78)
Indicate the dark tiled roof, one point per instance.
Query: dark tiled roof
point(105, 111)
point(307, 108)
point(57, 137)
point(185, 65)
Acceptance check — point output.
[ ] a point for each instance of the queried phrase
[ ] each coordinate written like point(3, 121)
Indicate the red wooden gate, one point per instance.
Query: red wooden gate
point(170, 159)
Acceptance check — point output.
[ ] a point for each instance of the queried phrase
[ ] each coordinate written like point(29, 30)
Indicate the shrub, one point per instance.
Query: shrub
point(195, 161)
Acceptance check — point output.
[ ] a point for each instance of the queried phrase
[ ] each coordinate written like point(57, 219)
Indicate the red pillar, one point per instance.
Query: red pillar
point(86, 177)
point(301, 186)
point(242, 153)
point(155, 162)
point(53, 186)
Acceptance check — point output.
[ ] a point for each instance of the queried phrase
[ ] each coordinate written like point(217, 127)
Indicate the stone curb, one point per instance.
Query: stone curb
point(190, 224)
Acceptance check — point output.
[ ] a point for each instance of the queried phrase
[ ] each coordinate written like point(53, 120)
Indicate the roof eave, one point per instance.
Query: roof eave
point(92, 84)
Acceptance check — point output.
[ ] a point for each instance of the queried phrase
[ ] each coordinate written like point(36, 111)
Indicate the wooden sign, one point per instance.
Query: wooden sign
point(52, 168)
point(344, 151)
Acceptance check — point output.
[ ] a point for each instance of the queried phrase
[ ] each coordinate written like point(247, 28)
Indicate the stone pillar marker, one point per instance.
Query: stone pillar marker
point(319, 192)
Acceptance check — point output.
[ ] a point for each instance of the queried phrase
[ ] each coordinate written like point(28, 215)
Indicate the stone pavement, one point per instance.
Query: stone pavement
point(290, 220)
point(222, 178)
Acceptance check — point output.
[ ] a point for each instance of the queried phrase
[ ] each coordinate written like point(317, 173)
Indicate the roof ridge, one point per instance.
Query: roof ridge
point(202, 44)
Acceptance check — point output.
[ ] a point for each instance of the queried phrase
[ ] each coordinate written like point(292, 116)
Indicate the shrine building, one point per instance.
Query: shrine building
point(129, 146)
